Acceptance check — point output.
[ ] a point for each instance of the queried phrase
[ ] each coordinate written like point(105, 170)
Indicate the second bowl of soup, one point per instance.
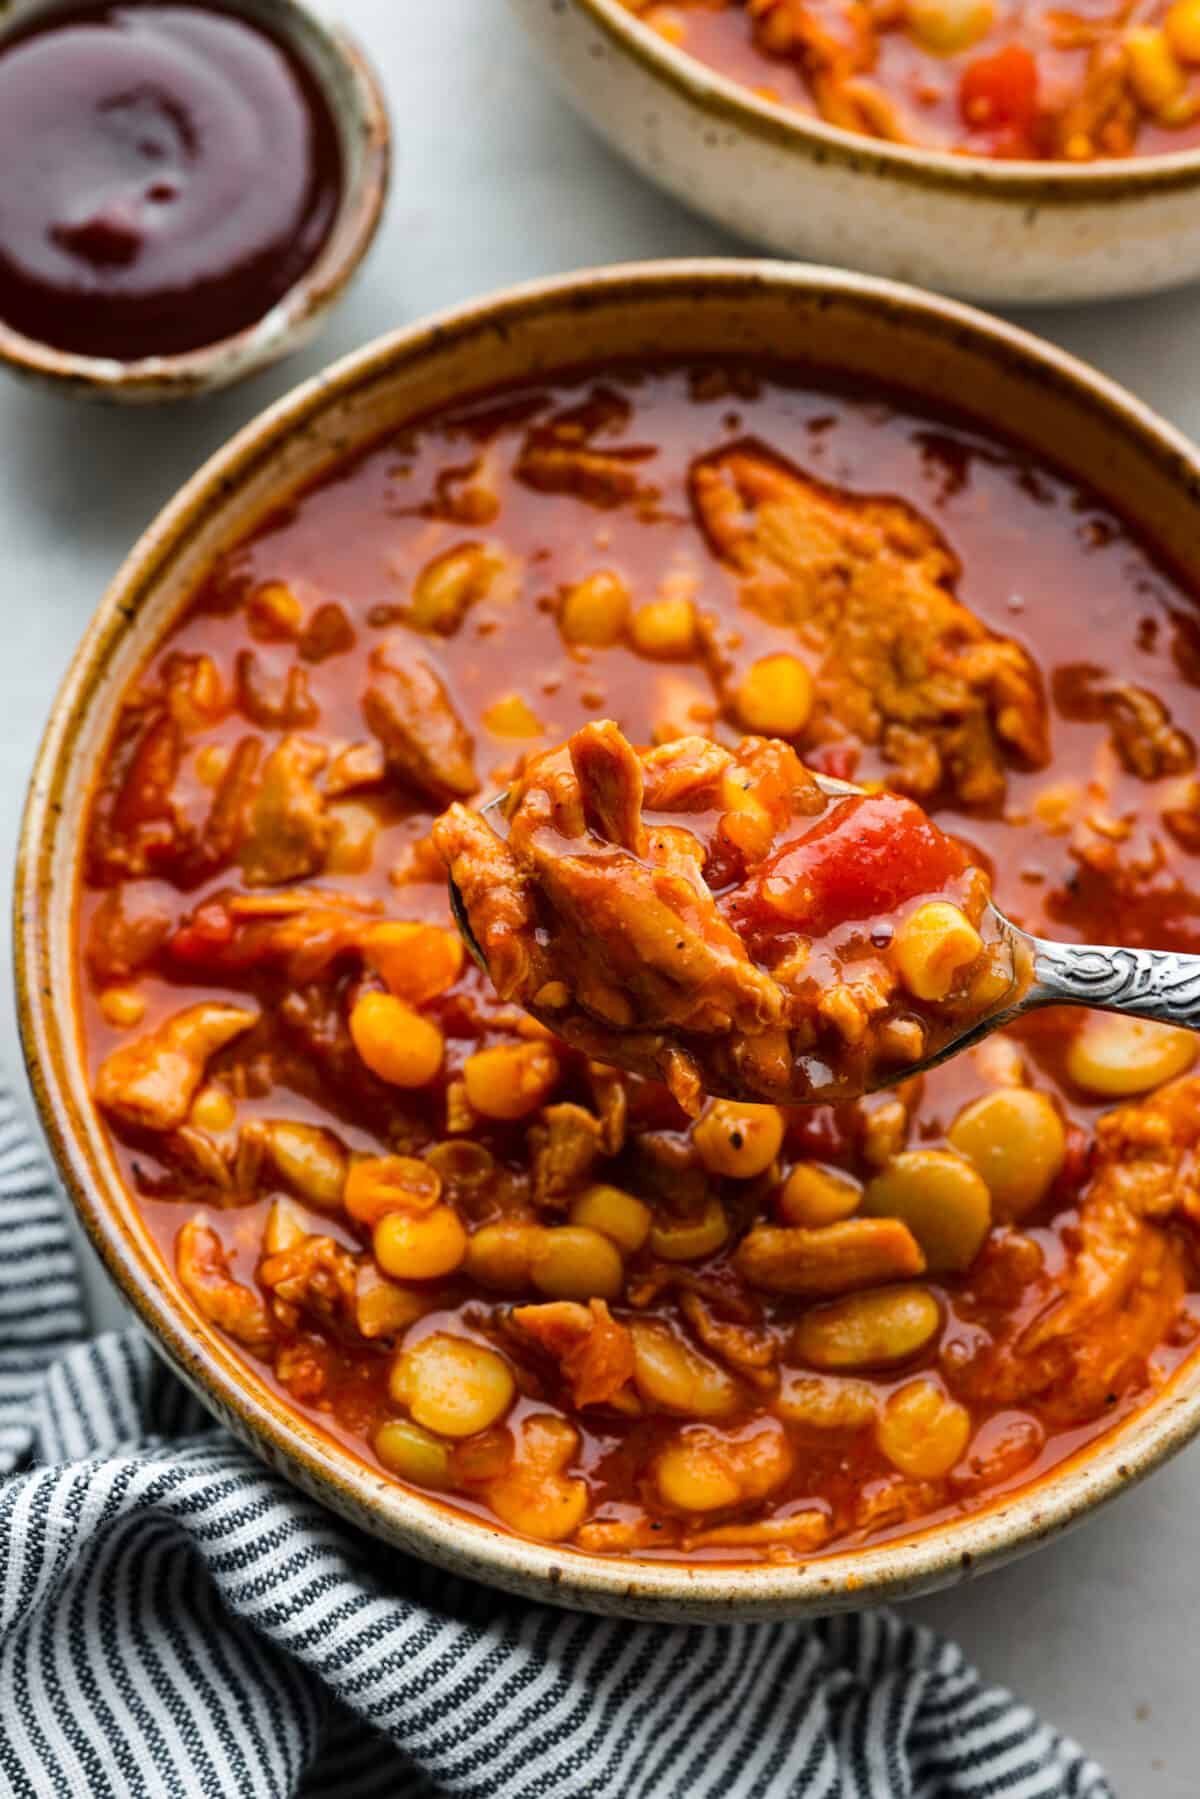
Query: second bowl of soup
point(1020, 166)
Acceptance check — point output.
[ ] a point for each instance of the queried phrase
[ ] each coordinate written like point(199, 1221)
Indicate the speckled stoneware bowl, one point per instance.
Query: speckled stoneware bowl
point(1005, 232)
point(355, 98)
point(832, 321)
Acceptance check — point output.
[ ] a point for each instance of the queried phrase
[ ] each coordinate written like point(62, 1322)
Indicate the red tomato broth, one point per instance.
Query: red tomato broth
point(1014, 525)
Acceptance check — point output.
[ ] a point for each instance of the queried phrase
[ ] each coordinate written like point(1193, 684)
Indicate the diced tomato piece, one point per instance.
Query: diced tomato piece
point(838, 761)
point(818, 1133)
point(864, 858)
point(208, 931)
point(999, 92)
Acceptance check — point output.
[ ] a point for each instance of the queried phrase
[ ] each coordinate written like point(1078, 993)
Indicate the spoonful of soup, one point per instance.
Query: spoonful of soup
point(732, 924)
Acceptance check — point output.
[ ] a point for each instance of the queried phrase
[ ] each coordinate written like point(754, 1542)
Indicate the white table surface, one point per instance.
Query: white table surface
point(495, 181)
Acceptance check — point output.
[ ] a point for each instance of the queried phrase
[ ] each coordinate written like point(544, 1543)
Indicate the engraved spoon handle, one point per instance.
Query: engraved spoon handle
point(1145, 983)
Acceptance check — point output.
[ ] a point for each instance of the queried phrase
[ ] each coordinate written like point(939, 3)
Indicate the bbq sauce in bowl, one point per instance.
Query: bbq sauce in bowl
point(167, 173)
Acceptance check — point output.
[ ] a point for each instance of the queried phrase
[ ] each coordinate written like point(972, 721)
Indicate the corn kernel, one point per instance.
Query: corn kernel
point(1155, 76)
point(1182, 26)
point(416, 961)
point(948, 26)
point(512, 717)
point(395, 1042)
point(212, 1110)
point(451, 583)
point(122, 1007)
point(775, 697)
point(738, 1140)
point(284, 1228)
point(933, 948)
point(352, 831)
point(511, 1080)
point(274, 612)
point(420, 1246)
point(212, 759)
point(664, 628)
point(813, 1196)
point(595, 611)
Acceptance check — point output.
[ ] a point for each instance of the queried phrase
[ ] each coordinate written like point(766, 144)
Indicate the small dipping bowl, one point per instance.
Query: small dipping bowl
point(353, 96)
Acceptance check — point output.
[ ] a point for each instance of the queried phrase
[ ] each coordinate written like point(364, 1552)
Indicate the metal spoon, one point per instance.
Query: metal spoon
point(1158, 984)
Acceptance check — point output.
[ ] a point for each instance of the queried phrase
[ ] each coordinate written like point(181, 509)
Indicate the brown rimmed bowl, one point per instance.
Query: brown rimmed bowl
point(826, 319)
point(1005, 232)
point(357, 106)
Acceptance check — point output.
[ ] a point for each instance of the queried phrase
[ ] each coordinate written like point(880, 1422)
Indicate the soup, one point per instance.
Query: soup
point(507, 1275)
point(977, 77)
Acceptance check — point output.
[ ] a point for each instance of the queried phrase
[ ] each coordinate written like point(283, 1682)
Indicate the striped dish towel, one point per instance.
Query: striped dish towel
point(176, 1620)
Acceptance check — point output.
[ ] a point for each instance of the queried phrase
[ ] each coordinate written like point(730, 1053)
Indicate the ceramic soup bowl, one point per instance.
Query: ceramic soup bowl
point(853, 326)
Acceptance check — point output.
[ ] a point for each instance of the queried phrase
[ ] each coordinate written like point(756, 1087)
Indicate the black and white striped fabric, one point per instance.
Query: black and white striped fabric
point(176, 1620)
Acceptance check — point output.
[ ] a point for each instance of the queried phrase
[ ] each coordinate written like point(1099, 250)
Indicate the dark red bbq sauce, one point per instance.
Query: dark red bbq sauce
point(167, 173)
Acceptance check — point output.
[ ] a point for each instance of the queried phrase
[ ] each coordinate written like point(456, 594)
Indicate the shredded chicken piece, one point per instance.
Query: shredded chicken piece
point(562, 454)
point(315, 1277)
point(1144, 736)
point(798, 1532)
point(289, 832)
point(748, 1349)
point(284, 704)
point(651, 945)
point(608, 1536)
point(684, 775)
point(204, 1275)
point(309, 1159)
point(836, 1258)
point(1126, 1276)
point(128, 928)
point(610, 1098)
point(498, 898)
point(563, 1145)
point(867, 586)
point(408, 707)
point(594, 1351)
point(609, 773)
point(360, 764)
point(151, 1082)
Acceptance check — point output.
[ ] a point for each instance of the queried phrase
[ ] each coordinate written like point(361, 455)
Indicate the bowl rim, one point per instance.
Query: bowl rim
point(1019, 181)
point(936, 1555)
point(313, 292)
